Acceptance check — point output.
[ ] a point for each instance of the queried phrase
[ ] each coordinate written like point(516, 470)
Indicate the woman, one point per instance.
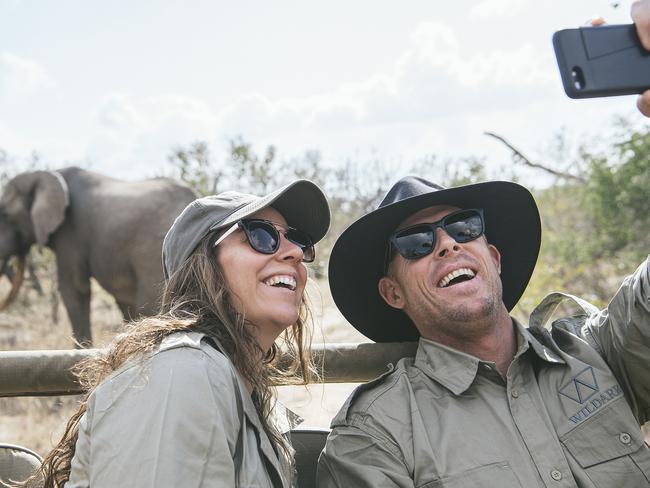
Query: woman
point(185, 398)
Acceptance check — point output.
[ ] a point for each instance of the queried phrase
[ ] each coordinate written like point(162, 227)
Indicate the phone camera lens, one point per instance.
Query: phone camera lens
point(578, 78)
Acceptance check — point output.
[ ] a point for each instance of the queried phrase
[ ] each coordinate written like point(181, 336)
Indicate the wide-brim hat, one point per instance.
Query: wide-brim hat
point(512, 224)
point(302, 204)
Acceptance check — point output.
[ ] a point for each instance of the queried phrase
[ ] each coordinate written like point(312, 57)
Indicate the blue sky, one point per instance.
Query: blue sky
point(114, 85)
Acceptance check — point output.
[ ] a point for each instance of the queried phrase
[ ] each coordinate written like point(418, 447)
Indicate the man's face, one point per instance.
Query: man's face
point(450, 292)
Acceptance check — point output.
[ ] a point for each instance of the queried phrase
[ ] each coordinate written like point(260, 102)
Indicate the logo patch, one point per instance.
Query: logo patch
point(582, 387)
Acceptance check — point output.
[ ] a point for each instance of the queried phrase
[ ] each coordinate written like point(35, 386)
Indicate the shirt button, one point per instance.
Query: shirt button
point(514, 393)
point(625, 438)
point(556, 475)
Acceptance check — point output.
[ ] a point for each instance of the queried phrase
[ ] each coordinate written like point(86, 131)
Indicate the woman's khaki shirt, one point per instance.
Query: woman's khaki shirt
point(182, 418)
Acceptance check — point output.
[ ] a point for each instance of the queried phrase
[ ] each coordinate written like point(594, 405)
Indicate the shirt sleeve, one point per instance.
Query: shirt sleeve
point(621, 333)
point(171, 422)
point(356, 458)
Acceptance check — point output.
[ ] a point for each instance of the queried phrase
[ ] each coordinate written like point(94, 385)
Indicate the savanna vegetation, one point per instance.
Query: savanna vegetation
point(594, 204)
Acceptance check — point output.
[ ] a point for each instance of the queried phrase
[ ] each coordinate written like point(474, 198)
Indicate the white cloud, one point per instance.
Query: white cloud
point(437, 97)
point(133, 137)
point(21, 77)
point(416, 107)
point(498, 8)
point(435, 76)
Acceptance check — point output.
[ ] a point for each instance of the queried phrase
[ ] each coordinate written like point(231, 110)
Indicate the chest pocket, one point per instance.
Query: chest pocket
point(610, 448)
point(489, 476)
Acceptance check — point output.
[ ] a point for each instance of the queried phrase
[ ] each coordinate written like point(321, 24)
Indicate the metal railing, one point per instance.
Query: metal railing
point(47, 373)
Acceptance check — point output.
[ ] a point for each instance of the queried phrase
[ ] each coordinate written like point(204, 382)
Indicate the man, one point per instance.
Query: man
point(485, 402)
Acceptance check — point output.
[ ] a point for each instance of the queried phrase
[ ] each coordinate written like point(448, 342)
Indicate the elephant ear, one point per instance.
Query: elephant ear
point(51, 198)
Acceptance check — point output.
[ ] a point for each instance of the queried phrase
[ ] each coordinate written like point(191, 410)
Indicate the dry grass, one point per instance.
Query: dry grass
point(37, 423)
point(27, 324)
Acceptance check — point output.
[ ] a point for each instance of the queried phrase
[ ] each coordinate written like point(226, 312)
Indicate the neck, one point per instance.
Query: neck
point(494, 340)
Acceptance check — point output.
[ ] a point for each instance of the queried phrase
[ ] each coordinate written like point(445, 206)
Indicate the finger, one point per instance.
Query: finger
point(596, 21)
point(643, 103)
point(640, 12)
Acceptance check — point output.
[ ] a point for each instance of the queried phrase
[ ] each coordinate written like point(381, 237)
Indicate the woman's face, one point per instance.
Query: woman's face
point(266, 288)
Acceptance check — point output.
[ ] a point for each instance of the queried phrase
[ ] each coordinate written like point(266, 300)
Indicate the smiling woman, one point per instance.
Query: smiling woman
point(185, 398)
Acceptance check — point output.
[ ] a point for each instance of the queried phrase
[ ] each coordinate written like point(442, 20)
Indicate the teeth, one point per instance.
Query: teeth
point(281, 279)
point(455, 274)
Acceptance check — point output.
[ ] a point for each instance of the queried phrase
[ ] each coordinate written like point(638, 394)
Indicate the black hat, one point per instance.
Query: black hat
point(301, 203)
point(512, 224)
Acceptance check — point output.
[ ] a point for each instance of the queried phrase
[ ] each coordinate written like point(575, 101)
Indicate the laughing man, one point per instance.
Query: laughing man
point(485, 402)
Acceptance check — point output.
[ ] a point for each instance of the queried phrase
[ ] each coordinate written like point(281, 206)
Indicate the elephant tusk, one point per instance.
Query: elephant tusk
point(17, 282)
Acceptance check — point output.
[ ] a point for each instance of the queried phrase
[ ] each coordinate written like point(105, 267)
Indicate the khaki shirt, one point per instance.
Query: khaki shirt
point(180, 418)
point(566, 415)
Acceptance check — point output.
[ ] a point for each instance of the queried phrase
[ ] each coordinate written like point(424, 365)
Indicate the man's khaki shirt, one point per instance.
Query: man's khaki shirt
point(566, 415)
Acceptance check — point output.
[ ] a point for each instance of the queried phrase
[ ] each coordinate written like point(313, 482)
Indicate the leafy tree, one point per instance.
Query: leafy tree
point(195, 168)
point(617, 198)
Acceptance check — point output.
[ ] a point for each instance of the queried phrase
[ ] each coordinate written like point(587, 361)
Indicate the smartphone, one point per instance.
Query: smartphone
point(602, 61)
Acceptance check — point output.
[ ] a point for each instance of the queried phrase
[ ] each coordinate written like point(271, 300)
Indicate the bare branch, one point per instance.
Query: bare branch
point(519, 157)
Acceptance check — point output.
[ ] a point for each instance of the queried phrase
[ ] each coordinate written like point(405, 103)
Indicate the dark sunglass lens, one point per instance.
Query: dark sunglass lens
point(464, 226)
point(414, 243)
point(304, 242)
point(262, 236)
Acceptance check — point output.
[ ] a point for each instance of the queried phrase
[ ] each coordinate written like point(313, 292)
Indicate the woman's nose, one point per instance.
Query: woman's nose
point(289, 250)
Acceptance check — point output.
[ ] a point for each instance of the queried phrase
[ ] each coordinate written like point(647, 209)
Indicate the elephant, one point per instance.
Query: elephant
point(97, 226)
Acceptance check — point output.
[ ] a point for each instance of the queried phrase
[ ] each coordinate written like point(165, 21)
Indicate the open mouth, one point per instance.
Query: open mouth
point(457, 276)
point(281, 281)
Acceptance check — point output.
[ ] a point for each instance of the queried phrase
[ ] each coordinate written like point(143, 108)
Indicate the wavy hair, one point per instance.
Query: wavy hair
point(196, 298)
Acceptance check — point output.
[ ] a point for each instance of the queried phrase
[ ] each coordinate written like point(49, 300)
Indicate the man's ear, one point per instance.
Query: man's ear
point(391, 292)
point(496, 257)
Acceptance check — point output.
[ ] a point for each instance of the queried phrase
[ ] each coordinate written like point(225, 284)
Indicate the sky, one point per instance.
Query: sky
point(114, 86)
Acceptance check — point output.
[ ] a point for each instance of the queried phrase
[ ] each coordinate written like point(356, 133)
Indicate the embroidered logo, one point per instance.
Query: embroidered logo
point(584, 390)
point(582, 387)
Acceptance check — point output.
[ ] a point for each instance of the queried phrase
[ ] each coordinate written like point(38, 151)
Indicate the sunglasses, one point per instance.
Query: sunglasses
point(264, 237)
point(420, 240)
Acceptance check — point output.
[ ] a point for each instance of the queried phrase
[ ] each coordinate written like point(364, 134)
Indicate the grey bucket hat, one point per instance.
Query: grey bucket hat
point(301, 203)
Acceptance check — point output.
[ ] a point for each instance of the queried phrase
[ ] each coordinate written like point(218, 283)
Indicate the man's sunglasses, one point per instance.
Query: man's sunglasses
point(419, 240)
point(264, 237)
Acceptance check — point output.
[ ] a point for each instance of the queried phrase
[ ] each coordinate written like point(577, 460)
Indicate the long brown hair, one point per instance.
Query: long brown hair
point(196, 298)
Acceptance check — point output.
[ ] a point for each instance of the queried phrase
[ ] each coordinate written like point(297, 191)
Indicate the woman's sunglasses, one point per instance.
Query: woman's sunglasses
point(419, 240)
point(264, 237)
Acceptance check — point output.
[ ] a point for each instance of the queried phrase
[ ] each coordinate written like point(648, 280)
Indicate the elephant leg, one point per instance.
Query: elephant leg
point(125, 308)
point(148, 299)
point(75, 292)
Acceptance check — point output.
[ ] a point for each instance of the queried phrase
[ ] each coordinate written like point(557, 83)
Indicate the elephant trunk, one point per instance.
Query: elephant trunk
point(17, 281)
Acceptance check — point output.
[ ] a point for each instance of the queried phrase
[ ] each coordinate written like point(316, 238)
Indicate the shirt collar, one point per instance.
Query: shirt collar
point(543, 352)
point(456, 370)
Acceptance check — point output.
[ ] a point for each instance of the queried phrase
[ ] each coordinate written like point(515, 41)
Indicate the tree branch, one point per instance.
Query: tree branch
point(519, 157)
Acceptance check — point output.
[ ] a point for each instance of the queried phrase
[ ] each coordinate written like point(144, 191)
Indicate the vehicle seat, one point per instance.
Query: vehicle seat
point(17, 463)
point(308, 444)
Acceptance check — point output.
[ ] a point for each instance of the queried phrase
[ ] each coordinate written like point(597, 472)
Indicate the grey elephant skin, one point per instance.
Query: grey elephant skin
point(98, 227)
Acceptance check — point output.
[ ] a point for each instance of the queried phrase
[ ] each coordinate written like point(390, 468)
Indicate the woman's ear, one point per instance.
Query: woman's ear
point(391, 292)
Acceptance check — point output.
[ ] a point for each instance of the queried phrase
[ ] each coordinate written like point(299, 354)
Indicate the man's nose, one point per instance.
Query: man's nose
point(445, 243)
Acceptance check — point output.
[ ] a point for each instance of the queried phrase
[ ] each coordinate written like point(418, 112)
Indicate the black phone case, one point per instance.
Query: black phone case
point(602, 61)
